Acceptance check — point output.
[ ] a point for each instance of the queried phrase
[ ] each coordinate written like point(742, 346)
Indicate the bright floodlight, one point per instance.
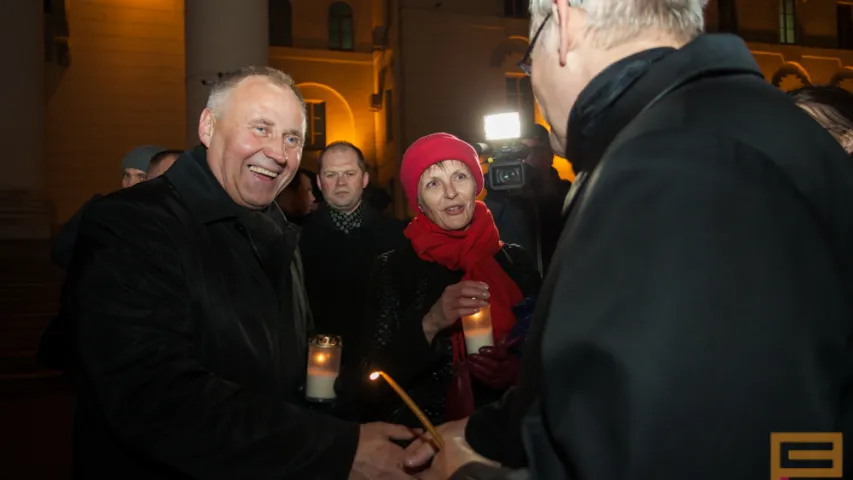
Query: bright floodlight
point(502, 126)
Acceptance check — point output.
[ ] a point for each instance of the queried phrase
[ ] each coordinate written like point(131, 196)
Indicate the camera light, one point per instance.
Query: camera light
point(502, 126)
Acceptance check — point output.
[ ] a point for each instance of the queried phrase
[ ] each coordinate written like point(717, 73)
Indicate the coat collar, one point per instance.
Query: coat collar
point(620, 92)
point(322, 216)
point(200, 190)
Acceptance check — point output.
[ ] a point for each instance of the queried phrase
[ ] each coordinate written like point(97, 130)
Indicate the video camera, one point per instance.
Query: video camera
point(506, 153)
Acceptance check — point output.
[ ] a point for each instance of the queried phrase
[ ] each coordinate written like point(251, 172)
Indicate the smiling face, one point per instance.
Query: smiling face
point(255, 142)
point(446, 194)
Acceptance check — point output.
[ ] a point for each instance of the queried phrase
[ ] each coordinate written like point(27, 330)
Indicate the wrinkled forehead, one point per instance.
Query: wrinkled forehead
point(445, 168)
point(258, 97)
point(340, 159)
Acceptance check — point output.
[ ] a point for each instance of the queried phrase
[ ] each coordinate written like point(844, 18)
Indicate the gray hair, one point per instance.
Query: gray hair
point(227, 81)
point(614, 22)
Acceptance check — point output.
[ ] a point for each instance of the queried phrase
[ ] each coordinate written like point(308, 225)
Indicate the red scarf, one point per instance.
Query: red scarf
point(473, 251)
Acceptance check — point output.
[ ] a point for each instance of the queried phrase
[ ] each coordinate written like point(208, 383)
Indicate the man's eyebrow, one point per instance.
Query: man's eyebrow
point(294, 131)
point(263, 121)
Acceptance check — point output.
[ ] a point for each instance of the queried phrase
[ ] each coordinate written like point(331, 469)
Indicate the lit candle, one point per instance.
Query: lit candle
point(478, 330)
point(412, 406)
point(324, 364)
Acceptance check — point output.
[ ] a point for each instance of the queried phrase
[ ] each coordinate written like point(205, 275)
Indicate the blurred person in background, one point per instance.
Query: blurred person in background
point(161, 162)
point(832, 107)
point(297, 199)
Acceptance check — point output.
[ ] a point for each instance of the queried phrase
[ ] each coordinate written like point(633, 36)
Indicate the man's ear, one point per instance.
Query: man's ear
point(205, 126)
point(366, 180)
point(319, 183)
point(560, 12)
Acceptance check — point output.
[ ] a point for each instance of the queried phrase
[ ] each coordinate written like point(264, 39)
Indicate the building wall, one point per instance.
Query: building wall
point(124, 87)
point(344, 81)
point(448, 88)
point(311, 29)
point(444, 67)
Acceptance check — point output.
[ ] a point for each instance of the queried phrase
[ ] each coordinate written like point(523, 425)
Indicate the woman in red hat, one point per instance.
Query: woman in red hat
point(454, 265)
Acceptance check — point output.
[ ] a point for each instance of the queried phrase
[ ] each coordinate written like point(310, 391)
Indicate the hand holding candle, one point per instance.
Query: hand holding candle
point(458, 300)
point(412, 406)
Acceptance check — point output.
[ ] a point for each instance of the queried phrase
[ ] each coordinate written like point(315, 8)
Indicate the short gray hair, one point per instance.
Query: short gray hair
point(227, 81)
point(613, 22)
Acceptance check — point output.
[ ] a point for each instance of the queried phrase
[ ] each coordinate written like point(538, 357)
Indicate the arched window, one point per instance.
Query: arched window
point(340, 26)
point(281, 23)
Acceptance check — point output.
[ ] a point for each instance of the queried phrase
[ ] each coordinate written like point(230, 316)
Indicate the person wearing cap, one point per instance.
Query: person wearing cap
point(452, 265)
point(134, 165)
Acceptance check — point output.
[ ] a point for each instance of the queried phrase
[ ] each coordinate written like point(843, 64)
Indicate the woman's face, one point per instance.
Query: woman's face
point(446, 194)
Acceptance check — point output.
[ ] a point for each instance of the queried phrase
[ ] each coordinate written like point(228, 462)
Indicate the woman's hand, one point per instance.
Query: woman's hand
point(495, 366)
point(458, 300)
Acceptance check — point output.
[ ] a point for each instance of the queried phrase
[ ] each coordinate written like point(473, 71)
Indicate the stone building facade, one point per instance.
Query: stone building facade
point(91, 79)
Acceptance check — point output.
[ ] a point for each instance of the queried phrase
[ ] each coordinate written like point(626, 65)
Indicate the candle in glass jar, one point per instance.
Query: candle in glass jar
point(324, 364)
point(478, 330)
point(320, 384)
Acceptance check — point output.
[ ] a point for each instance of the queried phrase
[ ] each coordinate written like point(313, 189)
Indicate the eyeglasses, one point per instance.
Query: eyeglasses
point(524, 64)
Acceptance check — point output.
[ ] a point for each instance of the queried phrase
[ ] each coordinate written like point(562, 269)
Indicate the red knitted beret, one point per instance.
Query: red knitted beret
point(432, 149)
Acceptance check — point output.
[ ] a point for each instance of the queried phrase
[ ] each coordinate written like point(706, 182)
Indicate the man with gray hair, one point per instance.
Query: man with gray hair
point(190, 325)
point(699, 299)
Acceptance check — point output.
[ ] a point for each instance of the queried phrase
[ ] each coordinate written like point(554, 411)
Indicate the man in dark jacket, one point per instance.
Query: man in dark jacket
point(55, 344)
point(700, 295)
point(340, 242)
point(191, 351)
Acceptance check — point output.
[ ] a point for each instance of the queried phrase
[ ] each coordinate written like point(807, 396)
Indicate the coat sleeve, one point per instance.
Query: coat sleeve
point(62, 246)
point(141, 367)
point(698, 306)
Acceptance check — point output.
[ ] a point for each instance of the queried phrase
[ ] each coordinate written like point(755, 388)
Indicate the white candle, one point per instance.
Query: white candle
point(320, 384)
point(478, 338)
point(478, 330)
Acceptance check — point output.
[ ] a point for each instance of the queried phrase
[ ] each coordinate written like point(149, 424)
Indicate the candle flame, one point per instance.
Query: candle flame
point(320, 358)
point(374, 375)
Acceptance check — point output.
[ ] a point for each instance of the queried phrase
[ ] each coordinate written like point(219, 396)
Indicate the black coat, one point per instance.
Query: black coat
point(403, 289)
point(190, 357)
point(337, 269)
point(700, 295)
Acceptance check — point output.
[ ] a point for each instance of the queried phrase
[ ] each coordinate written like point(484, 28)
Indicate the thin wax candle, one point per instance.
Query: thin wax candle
point(412, 406)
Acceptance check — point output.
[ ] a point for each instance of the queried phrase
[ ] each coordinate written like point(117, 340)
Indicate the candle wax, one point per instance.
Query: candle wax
point(320, 384)
point(478, 338)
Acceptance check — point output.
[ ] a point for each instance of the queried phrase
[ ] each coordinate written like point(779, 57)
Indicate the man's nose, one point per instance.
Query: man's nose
point(274, 149)
point(341, 180)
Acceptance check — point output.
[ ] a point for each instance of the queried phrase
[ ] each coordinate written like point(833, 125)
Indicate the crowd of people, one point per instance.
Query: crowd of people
point(696, 295)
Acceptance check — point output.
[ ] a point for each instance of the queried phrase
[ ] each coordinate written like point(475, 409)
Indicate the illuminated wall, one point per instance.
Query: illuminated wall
point(124, 87)
point(440, 66)
point(344, 81)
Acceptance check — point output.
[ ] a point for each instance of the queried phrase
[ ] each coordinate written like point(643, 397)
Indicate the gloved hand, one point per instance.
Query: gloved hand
point(495, 366)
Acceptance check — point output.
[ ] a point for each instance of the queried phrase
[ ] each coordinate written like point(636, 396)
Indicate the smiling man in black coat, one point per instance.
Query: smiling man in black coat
point(700, 295)
point(190, 345)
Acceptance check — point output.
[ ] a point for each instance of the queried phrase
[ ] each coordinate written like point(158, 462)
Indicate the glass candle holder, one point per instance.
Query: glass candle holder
point(324, 365)
point(478, 330)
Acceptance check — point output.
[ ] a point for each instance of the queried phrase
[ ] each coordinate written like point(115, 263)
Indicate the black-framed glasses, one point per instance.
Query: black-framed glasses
point(524, 64)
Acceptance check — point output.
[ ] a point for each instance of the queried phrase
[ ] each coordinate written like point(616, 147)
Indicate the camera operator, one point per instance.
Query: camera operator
point(530, 216)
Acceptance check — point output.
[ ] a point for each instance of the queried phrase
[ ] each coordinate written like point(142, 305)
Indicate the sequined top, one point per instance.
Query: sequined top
point(403, 289)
